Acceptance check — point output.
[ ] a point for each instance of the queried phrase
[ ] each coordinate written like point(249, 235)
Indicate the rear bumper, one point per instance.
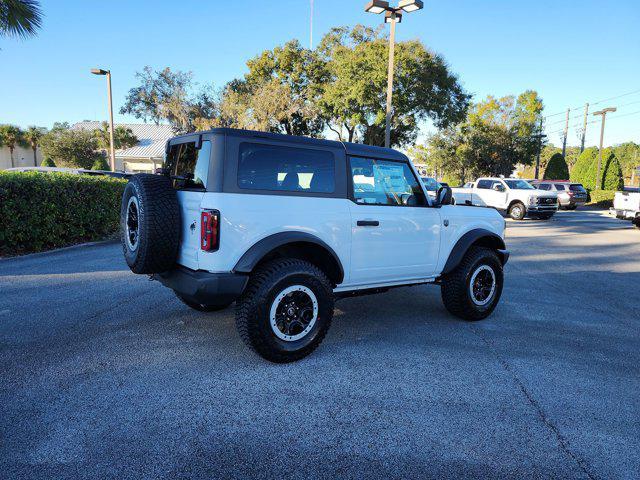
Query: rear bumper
point(204, 287)
point(628, 214)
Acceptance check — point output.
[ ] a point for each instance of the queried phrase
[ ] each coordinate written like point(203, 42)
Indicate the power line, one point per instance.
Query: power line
point(595, 103)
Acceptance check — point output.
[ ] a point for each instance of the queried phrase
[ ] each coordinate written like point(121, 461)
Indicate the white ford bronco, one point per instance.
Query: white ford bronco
point(516, 197)
point(283, 226)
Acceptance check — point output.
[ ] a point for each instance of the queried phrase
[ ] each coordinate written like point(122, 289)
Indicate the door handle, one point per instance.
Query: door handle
point(368, 223)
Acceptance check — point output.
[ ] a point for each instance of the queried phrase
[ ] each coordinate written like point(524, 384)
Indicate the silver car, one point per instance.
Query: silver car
point(570, 195)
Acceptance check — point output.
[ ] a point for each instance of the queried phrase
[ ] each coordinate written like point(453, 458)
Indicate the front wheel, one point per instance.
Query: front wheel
point(517, 211)
point(472, 290)
point(286, 310)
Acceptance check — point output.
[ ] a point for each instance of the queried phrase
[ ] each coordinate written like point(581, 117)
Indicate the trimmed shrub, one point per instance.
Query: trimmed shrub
point(100, 164)
point(580, 171)
point(47, 162)
point(556, 168)
point(40, 211)
point(612, 178)
point(601, 198)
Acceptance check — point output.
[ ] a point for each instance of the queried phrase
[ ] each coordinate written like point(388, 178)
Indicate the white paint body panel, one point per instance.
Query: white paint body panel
point(411, 244)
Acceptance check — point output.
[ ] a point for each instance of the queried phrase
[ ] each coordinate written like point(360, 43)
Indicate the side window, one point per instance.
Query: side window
point(484, 184)
point(282, 168)
point(188, 165)
point(544, 186)
point(383, 182)
point(499, 184)
point(560, 187)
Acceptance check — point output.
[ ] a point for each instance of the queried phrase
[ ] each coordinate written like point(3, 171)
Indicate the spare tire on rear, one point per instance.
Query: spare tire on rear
point(150, 223)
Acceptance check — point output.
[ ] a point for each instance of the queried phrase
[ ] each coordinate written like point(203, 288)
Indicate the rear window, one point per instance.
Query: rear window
point(577, 187)
point(188, 165)
point(282, 168)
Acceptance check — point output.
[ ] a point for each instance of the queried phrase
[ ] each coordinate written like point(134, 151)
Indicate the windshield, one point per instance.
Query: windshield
point(518, 185)
point(430, 183)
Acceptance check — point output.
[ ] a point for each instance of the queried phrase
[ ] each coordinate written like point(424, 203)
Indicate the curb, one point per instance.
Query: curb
point(60, 250)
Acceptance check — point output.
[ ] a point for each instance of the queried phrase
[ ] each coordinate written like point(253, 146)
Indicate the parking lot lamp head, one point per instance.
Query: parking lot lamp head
point(112, 152)
point(410, 5)
point(392, 17)
point(376, 6)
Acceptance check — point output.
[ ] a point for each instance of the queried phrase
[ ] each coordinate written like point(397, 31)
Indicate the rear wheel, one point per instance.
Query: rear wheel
point(203, 307)
point(286, 310)
point(472, 290)
point(636, 222)
point(517, 211)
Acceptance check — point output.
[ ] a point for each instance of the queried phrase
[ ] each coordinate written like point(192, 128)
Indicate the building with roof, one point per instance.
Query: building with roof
point(147, 154)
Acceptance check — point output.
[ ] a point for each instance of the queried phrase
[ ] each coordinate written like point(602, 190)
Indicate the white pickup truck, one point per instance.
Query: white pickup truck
point(517, 197)
point(626, 206)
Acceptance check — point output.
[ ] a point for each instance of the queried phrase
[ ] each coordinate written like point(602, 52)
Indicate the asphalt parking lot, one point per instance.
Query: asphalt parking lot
point(106, 375)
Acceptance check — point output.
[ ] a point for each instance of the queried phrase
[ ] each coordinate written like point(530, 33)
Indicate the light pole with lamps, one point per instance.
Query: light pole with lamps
point(392, 15)
point(112, 153)
point(602, 113)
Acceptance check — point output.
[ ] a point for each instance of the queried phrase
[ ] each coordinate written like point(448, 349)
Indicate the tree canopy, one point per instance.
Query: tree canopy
point(495, 136)
point(71, 148)
point(20, 18)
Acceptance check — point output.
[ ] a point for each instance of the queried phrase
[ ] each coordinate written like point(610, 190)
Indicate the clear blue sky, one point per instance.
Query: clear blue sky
point(570, 52)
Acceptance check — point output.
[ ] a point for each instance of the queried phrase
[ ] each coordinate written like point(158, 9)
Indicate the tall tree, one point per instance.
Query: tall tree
point(169, 96)
point(353, 91)
point(32, 136)
point(496, 135)
point(20, 18)
point(123, 137)
point(278, 93)
point(12, 137)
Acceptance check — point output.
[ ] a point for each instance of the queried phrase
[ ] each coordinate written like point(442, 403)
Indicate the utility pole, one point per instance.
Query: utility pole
point(539, 136)
point(566, 132)
point(584, 127)
point(603, 114)
point(392, 44)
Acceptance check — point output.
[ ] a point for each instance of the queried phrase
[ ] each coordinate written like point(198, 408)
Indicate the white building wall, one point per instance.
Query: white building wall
point(22, 157)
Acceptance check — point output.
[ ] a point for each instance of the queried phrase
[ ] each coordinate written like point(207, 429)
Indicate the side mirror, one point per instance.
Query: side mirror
point(444, 196)
point(498, 188)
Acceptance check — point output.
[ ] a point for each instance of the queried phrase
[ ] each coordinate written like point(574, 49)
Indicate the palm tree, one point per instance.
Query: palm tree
point(32, 136)
point(20, 18)
point(11, 136)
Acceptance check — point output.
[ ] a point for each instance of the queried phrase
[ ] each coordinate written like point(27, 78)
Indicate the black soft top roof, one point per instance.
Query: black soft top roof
point(356, 149)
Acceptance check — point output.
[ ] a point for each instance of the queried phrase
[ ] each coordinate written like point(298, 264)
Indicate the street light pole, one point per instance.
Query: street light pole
point(392, 45)
point(603, 114)
point(112, 153)
point(393, 15)
point(539, 136)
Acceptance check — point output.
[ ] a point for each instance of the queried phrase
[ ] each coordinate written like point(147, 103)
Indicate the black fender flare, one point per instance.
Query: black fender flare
point(251, 257)
point(479, 236)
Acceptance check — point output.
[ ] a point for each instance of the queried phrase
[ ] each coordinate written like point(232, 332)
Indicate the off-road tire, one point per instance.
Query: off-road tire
point(158, 221)
point(253, 309)
point(455, 285)
point(517, 211)
point(203, 307)
point(636, 222)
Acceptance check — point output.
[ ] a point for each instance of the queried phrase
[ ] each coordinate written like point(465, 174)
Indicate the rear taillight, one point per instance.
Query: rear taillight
point(210, 230)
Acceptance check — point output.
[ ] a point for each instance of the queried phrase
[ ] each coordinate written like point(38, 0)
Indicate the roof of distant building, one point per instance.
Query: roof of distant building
point(151, 138)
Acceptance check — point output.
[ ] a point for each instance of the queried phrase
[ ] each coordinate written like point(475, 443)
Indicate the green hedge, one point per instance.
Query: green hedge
point(557, 168)
point(40, 211)
point(601, 198)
